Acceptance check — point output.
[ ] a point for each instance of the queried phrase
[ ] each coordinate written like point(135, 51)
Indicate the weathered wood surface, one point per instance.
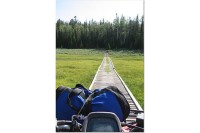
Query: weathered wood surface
point(106, 76)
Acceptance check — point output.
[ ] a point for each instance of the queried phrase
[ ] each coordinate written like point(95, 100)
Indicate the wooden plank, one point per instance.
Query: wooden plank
point(109, 77)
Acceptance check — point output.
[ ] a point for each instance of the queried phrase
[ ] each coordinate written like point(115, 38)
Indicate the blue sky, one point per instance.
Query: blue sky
point(97, 9)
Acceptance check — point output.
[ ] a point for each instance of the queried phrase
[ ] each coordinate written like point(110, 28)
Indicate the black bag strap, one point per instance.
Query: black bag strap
point(60, 90)
point(79, 85)
point(72, 92)
point(85, 89)
point(88, 102)
point(75, 92)
point(120, 97)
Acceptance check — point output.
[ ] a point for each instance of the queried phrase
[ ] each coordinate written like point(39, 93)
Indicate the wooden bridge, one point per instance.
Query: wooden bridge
point(106, 75)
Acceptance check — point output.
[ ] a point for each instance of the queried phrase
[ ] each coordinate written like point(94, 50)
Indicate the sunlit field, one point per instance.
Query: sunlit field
point(80, 65)
point(130, 66)
point(76, 66)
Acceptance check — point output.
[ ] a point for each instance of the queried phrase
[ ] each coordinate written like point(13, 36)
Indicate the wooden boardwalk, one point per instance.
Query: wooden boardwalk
point(106, 75)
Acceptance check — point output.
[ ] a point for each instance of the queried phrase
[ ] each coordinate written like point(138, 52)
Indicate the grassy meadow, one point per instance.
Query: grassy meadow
point(80, 65)
point(130, 66)
point(77, 66)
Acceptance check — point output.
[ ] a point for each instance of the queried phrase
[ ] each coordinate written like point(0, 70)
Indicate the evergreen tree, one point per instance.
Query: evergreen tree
point(121, 33)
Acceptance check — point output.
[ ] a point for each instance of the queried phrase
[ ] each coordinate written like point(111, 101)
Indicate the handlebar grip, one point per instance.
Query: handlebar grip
point(63, 128)
point(64, 122)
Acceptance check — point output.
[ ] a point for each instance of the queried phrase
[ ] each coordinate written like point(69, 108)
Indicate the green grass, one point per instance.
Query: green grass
point(130, 67)
point(76, 66)
point(80, 65)
point(81, 52)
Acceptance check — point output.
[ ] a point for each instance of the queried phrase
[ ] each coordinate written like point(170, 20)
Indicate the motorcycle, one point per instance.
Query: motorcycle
point(101, 122)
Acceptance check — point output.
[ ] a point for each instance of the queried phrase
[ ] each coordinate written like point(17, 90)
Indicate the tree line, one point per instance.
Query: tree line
point(122, 33)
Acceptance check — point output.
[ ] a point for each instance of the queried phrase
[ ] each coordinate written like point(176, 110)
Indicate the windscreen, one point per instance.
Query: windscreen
point(102, 125)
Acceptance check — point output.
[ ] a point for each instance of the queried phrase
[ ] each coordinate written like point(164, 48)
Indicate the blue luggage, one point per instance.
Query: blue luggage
point(69, 101)
point(109, 99)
